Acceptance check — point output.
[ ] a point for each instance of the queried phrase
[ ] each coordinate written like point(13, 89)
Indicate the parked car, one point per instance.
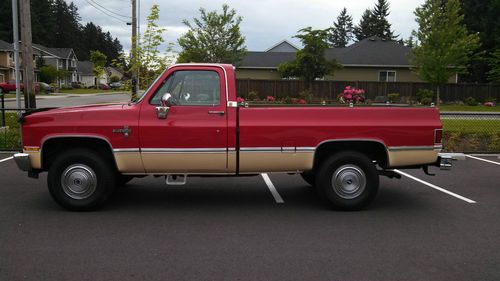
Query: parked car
point(10, 86)
point(116, 85)
point(104, 86)
point(190, 124)
point(44, 87)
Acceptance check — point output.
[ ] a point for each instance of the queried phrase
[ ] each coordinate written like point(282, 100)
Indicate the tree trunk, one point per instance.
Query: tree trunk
point(438, 99)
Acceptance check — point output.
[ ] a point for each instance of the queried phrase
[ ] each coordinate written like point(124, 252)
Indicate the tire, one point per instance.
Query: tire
point(309, 178)
point(347, 181)
point(81, 180)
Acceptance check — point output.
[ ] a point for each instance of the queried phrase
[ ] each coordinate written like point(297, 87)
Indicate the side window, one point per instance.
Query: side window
point(191, 88)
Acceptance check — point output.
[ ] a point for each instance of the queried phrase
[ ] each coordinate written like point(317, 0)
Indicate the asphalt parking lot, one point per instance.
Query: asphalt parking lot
point(234, 229)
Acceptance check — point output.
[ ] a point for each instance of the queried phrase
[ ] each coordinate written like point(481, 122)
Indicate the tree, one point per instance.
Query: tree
point(375, 23)
point(310, 62)
point(342, 30)
point(365, 28)
point(444, 46)
point(98, 60)
point(151, 62)
point(494, 63)
point(382, 27)
point(213, 38)
point(48, 74)
point(482, 17)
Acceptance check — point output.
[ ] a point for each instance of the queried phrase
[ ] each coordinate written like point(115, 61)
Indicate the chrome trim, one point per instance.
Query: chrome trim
point(260, 149)
point(22, 161)
point(183, 150)
point(303, 149)
point(206, 64)
point(399, 148)
point(119, 150)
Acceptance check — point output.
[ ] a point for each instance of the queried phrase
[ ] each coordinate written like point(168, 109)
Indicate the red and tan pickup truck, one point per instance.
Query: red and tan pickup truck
point(189, 123)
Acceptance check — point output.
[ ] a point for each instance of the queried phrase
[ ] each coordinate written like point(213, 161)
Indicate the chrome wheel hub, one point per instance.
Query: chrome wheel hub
point(79, 181)
point(348, 181)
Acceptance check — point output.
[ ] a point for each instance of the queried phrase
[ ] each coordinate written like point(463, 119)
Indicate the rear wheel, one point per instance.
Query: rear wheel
point(81, 180)
point(347, 181)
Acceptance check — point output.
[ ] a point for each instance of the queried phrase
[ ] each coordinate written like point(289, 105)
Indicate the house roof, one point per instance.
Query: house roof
point(370, 52)
point(62, 53)
point(5, 46)
point(85, 68)
point(283, 46)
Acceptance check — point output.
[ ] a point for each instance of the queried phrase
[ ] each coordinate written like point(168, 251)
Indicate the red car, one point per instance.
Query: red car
point(10, 86)
point(189, 123)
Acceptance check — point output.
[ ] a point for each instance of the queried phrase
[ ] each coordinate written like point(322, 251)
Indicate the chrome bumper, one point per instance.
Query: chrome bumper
point(23, 161)
point(445, 162)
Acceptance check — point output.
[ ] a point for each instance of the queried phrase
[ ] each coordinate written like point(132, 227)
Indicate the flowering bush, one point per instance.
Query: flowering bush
point(352, 94)
point(270, 99)
point(240, 99)
point(299, 101)
point(489, 104)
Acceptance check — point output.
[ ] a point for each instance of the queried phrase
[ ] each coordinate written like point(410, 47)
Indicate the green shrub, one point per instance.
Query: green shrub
point(470, 101)
point(425, 96)
point(114, 78)
point(393, 97)
point(253, 96)
point(306, 95)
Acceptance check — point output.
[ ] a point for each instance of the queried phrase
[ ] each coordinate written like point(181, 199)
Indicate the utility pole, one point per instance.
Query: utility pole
point(27, 51)
point(15, 25)
point(133, 52)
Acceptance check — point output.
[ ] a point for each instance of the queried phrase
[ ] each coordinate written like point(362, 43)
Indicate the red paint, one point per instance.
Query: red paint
point(193, 127)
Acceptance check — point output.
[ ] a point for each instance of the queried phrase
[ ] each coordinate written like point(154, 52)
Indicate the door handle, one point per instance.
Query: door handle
point(218, 112)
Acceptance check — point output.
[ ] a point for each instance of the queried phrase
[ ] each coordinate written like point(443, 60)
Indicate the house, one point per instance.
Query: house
point(87, 78)
point(372, 59)
point(6, 61)
point(62, 59)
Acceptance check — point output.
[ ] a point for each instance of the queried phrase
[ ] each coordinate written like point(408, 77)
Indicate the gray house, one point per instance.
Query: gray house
point(371, 59)
point(62, 59)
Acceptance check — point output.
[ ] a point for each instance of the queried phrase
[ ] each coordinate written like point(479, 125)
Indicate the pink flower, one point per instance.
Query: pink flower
point(348, 96)
point(270, 98)
point(301, 101)
point(240, 99)
point(489, 104)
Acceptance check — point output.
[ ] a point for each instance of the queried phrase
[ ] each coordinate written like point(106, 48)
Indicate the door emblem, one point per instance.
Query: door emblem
point(125, 131)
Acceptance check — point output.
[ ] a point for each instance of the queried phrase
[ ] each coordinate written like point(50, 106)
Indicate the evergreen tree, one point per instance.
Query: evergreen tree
point(342, 30)
point(365, 28)
point(6, 33)
point(381, 25)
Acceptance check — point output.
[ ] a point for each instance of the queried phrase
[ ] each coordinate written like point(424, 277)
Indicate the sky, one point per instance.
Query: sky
point(264, 24)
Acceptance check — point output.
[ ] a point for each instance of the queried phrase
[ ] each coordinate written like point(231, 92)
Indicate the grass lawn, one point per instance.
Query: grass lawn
point(478, 108)
point(9, 136)
point(89, 91)
point(471, 126)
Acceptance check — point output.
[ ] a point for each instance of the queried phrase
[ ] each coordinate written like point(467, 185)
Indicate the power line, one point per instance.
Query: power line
point(109, 15)
point(128, 17)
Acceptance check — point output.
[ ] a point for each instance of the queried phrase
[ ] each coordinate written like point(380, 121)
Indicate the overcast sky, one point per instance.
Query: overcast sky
point(265, 22)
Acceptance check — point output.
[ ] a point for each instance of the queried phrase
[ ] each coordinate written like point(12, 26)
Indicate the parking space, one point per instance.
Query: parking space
point(237, 229)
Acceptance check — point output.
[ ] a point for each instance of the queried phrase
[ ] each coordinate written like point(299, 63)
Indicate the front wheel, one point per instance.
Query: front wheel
point(347, 181)
point(81, 180)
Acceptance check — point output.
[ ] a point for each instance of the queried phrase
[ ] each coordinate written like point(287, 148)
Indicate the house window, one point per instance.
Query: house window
point(387, 76)
point(73, 62)
point(60, 62)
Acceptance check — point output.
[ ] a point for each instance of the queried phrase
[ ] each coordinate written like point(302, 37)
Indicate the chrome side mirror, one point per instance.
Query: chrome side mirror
point(166, 103)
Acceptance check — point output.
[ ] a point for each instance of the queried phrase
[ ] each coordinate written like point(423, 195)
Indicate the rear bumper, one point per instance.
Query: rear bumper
point(23, 161)
point(444, 162)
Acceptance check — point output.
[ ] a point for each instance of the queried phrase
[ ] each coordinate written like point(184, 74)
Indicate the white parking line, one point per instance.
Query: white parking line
point(481, 159)
point(436, 187)
point(273, 190)
point(6, 159)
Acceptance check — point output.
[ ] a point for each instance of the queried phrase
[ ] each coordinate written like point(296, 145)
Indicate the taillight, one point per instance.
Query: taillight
point(438, 136)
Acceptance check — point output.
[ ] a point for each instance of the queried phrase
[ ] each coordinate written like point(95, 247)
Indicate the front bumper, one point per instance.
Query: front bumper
point(23, 161)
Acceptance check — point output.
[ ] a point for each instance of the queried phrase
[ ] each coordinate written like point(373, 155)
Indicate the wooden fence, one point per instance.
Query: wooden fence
point(328, 90)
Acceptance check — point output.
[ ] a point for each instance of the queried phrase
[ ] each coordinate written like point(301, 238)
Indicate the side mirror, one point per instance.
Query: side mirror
point(166, 103)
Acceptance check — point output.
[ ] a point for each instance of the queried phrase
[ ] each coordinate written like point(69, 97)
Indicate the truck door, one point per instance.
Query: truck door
point(193, 136)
